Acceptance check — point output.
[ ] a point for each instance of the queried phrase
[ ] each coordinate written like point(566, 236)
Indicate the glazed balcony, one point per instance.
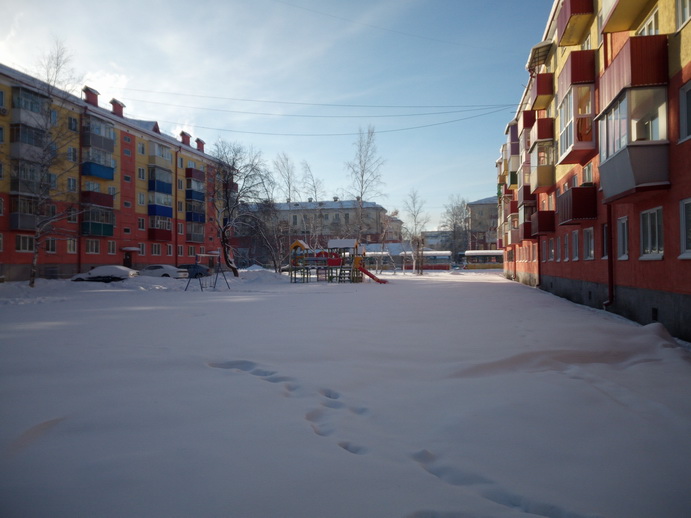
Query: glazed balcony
point(543, 129)
point(542, 222)
point(577, 204)
point(100, 199)
point(542, 168)
point(194, 238)
point(31, 187)
point(622, 15)
point(573, 22)
point(159, 234)
point(541, 91)
point(90, 139)
point(512, 180)
point(642, 61)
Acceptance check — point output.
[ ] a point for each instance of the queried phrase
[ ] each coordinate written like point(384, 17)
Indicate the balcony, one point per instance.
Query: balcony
point(526, 119)
point(194, 238)
point(32, 187)
point(542, 178)
point(542, 222)
point(512, 180)
point(97, 198)
point(623, 15)
point(525, 197)
point(195, 217)
point(541, 91)
point(635, 169)
point(98, 170)
point(160, 210)
point(543, 129)
point(191, 194)
point(19, 221)
point(577, 204)
point(525, 231)
point(578, 69)
point(160, 186)
point(90, 228)
point(90, 139)
point(195, 174)
point(161, 162)
point(159, 234)
point(573, 22)
point(642, 61)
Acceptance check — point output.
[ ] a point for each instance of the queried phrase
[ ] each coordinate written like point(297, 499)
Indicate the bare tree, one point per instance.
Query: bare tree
point(241, 179)
point(312, 186)
point(417, 220)
point(48, 139)
point(286, 177)
point(455, 220)
point(365, 173)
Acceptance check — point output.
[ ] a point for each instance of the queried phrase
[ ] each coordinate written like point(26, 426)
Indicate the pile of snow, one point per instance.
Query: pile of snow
point(440, 396)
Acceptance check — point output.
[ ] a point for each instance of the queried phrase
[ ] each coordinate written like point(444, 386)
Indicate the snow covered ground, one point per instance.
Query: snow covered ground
point(442, 396)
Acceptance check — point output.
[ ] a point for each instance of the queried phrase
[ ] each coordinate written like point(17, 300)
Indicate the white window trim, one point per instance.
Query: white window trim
point(681, 23)
point(654, 256)
point(625, 255)
point(589, 243)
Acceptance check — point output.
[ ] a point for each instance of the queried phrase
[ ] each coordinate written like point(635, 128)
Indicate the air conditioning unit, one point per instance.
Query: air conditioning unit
point(3, 111)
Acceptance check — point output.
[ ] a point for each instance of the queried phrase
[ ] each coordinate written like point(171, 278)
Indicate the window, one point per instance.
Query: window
point(650, 26)
point(112, 247)
point(92, 186)
point(2, 99)
point(72, 184)
point(685, 111)
point(71, 245)
point(127, 138)
point(160, 222)
point(53, 118)
point(588, 244)
point(587, 174)
point(180, 250)
point(127, 230)
point(112, 191)
point(181, 230)
point(127, 178)
point(169, 249)
point(605, 241)
point(2, 206)
point(202, 249)
point(2, 172)
point(141, 173)
point(191, 164)
point(127, 204)
point(2, 134)
point(686, 229)
point(295, 219)
point(93, 246)
point(190, 251)
point(141, 198)
point(155, 248)
point(181, 207)
point(683, 12)
point(51, 245)
point(652, 242)
point(181, 185)
point(72, 214)
point(544, 250)
point(623, 238)
point(574, 245)
point(346, 217)
point(127, 152)
point(72, 124)
point(24, 243)
point(140, 224)
point(551, 249)
point(141, 148)
point(558, 249)
point(142, 249)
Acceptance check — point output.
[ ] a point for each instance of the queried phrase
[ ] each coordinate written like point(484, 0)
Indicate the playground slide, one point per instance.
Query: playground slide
point(371, 275)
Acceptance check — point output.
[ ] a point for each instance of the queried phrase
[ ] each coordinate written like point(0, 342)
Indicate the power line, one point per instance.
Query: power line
point(411, 128)
point(299, 103)
point(395, 115)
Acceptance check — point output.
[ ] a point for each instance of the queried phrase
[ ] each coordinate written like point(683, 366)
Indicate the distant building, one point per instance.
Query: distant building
point(482, 224)
point(437, 239)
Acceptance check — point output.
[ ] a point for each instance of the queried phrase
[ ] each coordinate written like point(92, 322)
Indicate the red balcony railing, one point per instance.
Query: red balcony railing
point(158, 234)
point(578, 69)
point(542, 91)
point(97, 198)
point(525, 197)
point(573, 21)
point(576, 204)
point(543, 129)
point(542, 222)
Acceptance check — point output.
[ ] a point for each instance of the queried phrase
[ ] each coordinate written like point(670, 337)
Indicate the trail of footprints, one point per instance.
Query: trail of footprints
point(322, 421)
point(321, 418)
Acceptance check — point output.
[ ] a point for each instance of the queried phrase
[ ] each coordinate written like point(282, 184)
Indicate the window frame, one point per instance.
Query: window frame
point(682, 19)
point(623, 238)
point(575, 249)
point(685, 112)
point(685, 228)
point(652, 245)
point(589, 244)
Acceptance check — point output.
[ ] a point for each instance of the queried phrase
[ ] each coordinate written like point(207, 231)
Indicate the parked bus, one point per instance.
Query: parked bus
point(482, 259)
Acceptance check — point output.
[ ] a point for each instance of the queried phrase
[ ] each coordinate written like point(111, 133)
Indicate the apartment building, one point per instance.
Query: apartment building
point(594, 179)
point(115, 189)
point(482, 224)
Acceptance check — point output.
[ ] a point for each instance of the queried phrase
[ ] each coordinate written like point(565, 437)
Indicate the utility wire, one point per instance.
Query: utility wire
point(478, 108)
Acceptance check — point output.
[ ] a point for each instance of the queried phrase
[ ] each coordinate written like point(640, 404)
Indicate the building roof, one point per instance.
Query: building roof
point(492, 200)
point(327, 205)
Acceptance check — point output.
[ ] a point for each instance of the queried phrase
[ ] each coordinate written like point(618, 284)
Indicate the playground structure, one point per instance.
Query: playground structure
point(214, 264)
point(341, 261)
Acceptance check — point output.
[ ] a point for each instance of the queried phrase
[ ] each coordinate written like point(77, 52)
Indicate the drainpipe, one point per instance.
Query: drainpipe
point(174, 226)
point(610, 260)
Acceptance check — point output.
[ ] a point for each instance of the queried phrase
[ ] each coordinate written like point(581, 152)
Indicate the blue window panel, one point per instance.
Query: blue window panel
point(160, 210)
point(98, 170)
point(158, 186)
point(194, 195)
point(196, 217)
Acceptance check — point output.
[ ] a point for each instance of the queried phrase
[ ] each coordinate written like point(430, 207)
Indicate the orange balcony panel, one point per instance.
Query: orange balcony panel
point(542, 222)
point(543, 129)
point(623, 15)
point(642, 61)
point(573, 22)
point(576, 204)
point(578, 69)
point(542, 91)
point(542, 178)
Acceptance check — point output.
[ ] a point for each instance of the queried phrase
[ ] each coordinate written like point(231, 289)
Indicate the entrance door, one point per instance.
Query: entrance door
point(127, 261)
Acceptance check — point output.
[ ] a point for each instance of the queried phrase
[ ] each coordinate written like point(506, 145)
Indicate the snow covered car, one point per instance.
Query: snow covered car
point(107, 273)
point(196, 270)
point(164, 270)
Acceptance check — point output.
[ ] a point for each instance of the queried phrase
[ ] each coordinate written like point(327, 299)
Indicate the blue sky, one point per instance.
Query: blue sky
point(301, 77)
